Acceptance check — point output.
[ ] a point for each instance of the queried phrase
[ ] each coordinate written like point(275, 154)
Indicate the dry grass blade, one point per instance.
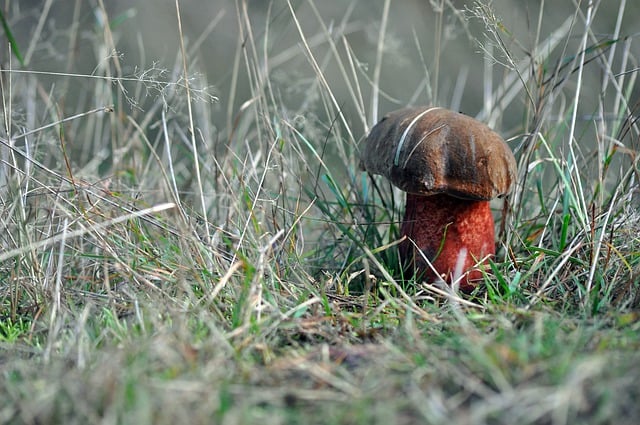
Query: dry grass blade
point(93, 228)
point(192, 128)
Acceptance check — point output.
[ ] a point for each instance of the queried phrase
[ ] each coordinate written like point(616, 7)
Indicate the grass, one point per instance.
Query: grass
point(177, 253)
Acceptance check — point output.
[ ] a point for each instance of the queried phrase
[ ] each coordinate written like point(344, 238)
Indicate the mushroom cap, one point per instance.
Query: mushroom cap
point(427, 151)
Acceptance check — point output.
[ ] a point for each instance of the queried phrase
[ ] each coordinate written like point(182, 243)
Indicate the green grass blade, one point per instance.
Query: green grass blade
point(12, 41)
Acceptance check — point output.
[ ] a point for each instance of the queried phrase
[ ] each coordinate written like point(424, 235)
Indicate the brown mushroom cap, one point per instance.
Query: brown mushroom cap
point(426, 151)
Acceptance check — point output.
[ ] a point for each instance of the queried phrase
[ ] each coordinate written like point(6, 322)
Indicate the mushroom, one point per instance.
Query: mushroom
point(451, 166)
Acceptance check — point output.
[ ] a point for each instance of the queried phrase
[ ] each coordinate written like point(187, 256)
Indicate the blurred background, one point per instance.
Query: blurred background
point(460, 74)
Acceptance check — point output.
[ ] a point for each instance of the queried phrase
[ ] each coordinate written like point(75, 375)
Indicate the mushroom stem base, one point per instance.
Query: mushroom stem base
point(455, 235)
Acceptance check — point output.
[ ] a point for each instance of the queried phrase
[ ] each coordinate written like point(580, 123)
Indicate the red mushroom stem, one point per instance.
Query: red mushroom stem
point(454, 234)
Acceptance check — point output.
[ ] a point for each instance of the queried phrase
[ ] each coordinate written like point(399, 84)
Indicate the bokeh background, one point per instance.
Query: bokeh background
point(459, 75)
